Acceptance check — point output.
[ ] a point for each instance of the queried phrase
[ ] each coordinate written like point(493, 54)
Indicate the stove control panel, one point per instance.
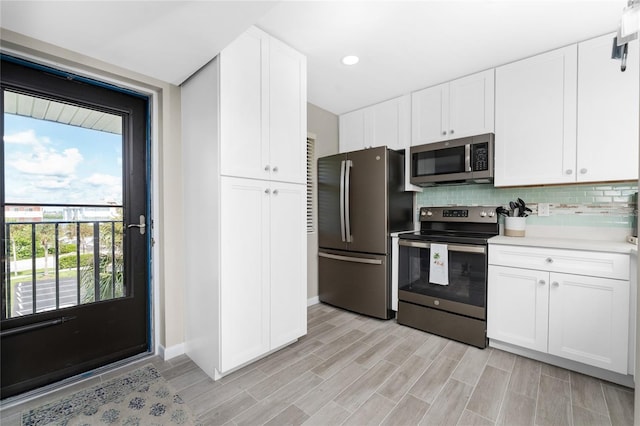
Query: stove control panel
point(477, 214)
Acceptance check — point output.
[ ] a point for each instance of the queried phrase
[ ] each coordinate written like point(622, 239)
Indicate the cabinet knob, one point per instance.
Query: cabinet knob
point(555, 284)
point(451, 131)
point(569, 171)
point(548, 260)
point(444, 133)
point(583, 171)
point(267, 191)
point(267, 168)
point(542, 282)
point(275, 192)
point(275, 169)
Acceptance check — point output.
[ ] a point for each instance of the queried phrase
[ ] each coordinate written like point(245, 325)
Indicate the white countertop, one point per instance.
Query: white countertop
point(568, 243)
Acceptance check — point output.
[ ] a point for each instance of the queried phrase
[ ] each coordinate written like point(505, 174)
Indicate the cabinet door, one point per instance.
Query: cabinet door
point(351, 137)
point(471, 105)
point(536, 119)
point(589, 320)
point(287, 113)
point(388, 124)
point(608, 110)
point(429, 114)
point(244, 145)
point(288, 260)
point(244, 260)
point(517, 306)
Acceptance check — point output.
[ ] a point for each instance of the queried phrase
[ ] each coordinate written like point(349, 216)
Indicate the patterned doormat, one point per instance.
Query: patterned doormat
point(141, 397)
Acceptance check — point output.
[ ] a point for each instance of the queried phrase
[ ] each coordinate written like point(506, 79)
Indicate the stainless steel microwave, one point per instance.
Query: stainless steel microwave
point(454, 161)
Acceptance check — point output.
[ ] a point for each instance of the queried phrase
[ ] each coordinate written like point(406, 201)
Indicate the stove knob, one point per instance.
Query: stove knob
point(492, 213)
point(423, 213)
point(429, 213)
point(483, 214)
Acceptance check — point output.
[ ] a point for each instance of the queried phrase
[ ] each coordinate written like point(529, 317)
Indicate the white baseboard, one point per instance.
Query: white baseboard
point(313, 301)
point(171, 352)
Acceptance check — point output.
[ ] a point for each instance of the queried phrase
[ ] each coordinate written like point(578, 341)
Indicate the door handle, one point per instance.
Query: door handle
point(141, 227)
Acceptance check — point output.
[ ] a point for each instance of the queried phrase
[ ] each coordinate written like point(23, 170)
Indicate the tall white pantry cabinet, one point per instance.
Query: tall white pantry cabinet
point(244, 159)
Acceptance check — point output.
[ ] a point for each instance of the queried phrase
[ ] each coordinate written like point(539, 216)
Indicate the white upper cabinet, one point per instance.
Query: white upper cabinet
point(459, 108)
point(536, 119)
point(263, 104)
point(387, 123)
point(287, 113)
point(351, 131)
point(608, 111)
point(243, 89)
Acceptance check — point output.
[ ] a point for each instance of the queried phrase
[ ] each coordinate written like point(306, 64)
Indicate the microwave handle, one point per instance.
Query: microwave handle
point(467, 157)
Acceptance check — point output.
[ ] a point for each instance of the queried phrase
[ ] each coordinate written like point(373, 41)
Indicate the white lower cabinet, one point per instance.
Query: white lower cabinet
point(577, 317)
point(263, 268)
point(518, 307)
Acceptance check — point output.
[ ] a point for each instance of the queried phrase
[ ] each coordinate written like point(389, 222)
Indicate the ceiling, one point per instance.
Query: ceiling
point(403, 45)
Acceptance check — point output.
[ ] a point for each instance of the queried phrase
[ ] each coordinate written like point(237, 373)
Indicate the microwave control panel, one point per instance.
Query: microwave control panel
point(480, 157)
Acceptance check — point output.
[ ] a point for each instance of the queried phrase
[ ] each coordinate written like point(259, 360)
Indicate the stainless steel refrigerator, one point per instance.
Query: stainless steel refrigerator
point(361, 200)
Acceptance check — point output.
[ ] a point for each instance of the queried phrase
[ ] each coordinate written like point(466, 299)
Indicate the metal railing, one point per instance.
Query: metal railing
point(55, 264)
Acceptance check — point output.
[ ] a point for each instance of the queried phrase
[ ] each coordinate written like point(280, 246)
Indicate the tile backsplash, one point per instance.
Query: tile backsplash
point(599, 205)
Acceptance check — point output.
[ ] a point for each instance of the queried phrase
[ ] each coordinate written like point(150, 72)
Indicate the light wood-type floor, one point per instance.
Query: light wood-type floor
point(354, 370)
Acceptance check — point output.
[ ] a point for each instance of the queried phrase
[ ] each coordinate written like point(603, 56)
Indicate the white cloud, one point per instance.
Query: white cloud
point(27, 137)
point(53, 183)
point(49, 162)
point(100, 179)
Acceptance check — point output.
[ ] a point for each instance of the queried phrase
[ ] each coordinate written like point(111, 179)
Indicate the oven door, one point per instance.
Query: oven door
point(466, 293)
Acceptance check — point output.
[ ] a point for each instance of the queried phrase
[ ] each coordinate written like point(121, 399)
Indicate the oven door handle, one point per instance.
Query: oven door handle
point(351, 259)
point(450, 247)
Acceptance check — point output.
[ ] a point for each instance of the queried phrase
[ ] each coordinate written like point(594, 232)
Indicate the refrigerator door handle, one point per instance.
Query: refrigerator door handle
point(351, 259)
point(342, 224)
point(347, 195)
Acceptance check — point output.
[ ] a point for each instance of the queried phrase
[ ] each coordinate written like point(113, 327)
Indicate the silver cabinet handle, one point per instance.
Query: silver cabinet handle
point(142, 226)
point(267, 191)
point(555, 284)
point(569, 171)
point(542, 282)
point(275, 169)
point(583, 171)
point(548, 260)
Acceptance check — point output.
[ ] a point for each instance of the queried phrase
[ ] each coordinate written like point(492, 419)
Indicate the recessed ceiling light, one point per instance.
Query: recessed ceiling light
point(350, 60)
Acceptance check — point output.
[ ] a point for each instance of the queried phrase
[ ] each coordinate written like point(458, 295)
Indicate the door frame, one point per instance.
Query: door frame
point(113, 77)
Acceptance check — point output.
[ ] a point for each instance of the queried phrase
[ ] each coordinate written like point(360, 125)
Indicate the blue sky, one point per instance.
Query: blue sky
point(53, 163)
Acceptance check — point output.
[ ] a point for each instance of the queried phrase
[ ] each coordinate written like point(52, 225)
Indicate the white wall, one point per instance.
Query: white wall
point(168, 265)
point(324, 125)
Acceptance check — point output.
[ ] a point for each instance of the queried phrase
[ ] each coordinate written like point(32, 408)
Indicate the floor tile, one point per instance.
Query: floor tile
point(587, 392)
point(409, 411)
point(517, 410)
point(620, 404)
point(360, 390)
point(469, 418)
point(330, 414)
point(584, 417)
point(525, 377)
point(428, 386)
point(488, 393)
point(372, 411)
point(449, 405)
point(403, 378)
point(554, 402)
point(471, 365)
point(291, 415)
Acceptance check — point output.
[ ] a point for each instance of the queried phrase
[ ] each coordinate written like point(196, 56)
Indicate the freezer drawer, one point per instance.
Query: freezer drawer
point(357, 282)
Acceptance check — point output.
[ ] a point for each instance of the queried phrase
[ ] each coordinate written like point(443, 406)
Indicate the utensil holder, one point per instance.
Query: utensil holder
point(514, 226)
